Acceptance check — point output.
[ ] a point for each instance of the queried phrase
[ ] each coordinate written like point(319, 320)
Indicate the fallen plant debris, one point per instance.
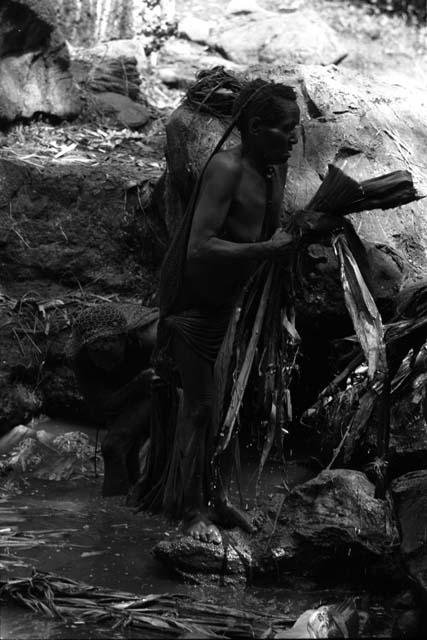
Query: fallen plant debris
point(348, 401)
point(174, 615)
point(41, 144)
point(158, 616)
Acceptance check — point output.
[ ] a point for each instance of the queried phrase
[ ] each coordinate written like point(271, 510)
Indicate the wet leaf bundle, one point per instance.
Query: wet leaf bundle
point(340, 194)
point(155, 616)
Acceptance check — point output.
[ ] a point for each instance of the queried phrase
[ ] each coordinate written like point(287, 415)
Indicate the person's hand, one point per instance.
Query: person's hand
point(280, 242)
point(318, 222)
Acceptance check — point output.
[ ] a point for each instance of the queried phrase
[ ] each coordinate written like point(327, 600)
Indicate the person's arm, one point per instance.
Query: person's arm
point(217, 191)
point(96, 393)
point(138, 387)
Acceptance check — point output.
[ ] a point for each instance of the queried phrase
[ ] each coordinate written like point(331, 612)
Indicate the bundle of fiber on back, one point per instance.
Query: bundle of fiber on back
point(214, 92)
point(262, 342)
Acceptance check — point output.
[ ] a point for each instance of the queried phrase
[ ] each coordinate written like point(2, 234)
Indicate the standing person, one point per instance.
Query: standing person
point(230, 228)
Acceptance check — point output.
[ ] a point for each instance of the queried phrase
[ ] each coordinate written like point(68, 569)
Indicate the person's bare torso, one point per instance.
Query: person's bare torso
point(217, 284)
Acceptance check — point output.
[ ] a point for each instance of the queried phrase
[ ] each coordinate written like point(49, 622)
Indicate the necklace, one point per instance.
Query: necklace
point(269, 174)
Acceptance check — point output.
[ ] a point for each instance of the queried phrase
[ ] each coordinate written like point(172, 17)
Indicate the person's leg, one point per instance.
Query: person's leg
point(197, 441)
point(194, 435)
point(120, 447)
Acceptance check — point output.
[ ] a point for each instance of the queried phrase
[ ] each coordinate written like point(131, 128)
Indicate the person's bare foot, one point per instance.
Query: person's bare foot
point(230, 516)
point(200, 527)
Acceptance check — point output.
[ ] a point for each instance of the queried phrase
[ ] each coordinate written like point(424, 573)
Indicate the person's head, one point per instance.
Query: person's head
point(102, 331)
point(267, 116)
point(107, 352)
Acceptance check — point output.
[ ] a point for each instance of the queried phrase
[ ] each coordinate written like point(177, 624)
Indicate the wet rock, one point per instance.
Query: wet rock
point(232, 559)
point(254, 35)
point(128, 112)
point(410, 497)
point(335, 517)
point(34, 63)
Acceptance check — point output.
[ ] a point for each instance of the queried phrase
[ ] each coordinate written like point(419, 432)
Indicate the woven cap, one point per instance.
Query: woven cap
point(101, 321)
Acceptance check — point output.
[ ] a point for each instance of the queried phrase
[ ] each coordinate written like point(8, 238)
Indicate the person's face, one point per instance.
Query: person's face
point(107, 352)
point(273, 143)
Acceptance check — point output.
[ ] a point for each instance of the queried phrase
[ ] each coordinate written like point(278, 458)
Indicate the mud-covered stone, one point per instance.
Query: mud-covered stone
point(206, 561)
point(34, 63)
point(335, 515)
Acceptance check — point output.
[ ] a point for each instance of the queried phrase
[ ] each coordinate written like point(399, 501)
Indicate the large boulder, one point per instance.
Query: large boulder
point(335, 516)
point(410, 496)
point(295, 37)
point(34, 63)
